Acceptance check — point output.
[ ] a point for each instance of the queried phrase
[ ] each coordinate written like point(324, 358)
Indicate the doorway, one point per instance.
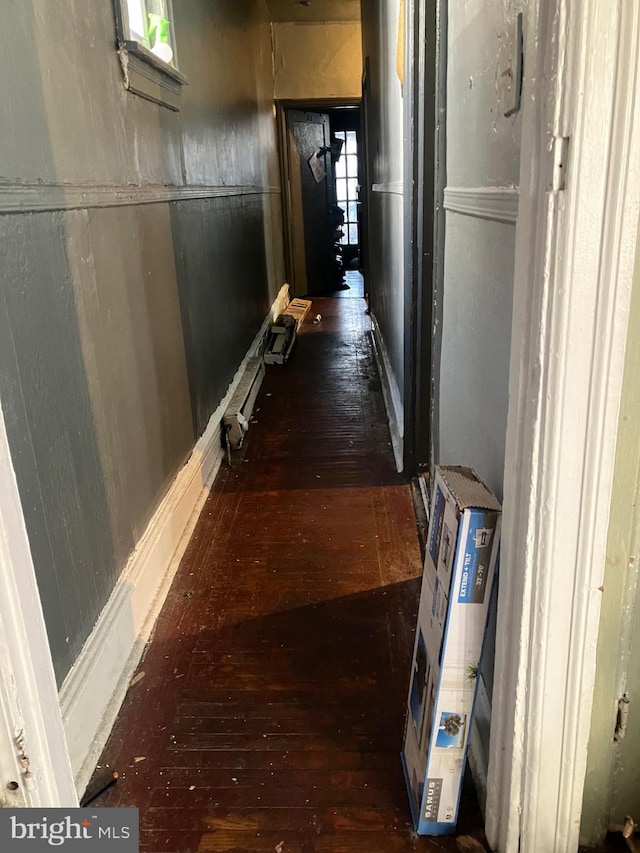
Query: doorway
point(322, 207)
point(346, 129)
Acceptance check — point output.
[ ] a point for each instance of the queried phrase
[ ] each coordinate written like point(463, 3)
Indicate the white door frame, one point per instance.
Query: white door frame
point(33, 749)
point(577, 228)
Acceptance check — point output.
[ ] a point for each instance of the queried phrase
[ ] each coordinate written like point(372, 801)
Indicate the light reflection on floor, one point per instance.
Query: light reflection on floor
point(356, 285)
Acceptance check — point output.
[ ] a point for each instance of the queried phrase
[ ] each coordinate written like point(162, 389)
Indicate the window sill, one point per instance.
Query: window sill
point(150, 77)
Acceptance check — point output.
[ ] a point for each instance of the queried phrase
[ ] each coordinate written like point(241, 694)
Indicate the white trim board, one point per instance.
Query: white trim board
point(575, 253)
point(40, 198)
point(33, 750)
point(499, 204)
point(94, 689)
point(390, 394)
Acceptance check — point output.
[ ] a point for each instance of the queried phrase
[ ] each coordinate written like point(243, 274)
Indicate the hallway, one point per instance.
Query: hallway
point(272, 703)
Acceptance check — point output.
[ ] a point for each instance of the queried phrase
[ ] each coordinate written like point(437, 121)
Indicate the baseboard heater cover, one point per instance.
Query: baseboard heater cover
point(237, 417)
point(282, 337)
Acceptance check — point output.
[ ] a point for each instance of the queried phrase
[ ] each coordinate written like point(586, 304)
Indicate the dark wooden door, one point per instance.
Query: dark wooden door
point(311, 198)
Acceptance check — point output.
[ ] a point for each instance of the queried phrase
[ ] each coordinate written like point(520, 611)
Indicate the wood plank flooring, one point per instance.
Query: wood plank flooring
point(271, 710)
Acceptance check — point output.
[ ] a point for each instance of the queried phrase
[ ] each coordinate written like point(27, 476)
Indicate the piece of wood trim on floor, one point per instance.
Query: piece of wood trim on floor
point(390, 393)
point(94, 689)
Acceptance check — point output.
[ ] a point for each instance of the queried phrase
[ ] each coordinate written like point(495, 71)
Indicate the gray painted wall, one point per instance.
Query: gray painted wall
point(483, 151)
point(385, 155)
point(122, 326)
point(476, 341)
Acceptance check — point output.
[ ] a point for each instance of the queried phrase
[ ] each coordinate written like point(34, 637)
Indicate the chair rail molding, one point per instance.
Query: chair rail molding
point(499, 204)
point(40, 198)
point(390, 188)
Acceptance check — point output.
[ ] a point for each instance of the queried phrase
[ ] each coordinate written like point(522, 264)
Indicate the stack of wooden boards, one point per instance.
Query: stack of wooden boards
point(282, 333)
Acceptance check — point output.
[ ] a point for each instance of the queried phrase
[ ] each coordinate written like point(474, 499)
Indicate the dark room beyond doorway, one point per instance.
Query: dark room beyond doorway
point(321, 163)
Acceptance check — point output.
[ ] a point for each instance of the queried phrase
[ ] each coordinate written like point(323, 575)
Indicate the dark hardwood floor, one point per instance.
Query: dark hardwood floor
point(271, 710)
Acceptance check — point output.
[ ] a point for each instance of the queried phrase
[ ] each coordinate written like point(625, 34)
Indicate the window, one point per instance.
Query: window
point(150, 23)
point(347, 185)
point(147, 49)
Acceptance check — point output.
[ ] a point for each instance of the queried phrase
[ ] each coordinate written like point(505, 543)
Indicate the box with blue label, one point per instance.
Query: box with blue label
point(460, 564)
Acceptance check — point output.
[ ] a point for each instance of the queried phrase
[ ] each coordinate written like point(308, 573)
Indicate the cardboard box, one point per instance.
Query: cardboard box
point(432, 615)
point(298, 308)
point(460, 564)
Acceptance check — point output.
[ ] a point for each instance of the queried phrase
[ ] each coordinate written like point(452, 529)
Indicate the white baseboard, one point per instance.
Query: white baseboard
point(94, 689)
point(390, 393)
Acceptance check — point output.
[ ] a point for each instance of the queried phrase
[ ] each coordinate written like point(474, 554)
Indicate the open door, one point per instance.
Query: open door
point(311, 198)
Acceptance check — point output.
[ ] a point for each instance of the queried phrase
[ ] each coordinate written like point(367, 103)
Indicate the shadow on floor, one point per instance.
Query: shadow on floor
point(268, 711)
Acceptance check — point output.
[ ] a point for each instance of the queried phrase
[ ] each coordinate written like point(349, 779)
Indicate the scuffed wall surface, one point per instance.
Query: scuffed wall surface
point(219, 322)
point(385, 121)
point(228, 128)
point(483, 150)
point(128, 315)
point(483, 146)
point(121, 327)
point(476, 345)
point(84, 127)
point(317, 60)
point(47, 408)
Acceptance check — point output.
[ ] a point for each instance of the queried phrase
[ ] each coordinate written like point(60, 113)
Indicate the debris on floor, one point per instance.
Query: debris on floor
point(298, 309)
point(282, 336)
point(100, 784)
point(324, 646)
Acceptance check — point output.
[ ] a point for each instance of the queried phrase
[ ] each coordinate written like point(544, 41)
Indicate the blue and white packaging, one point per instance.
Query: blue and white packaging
point(460, 564)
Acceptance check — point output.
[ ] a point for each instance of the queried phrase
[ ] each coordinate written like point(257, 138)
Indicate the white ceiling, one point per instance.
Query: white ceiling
point(316, 11)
